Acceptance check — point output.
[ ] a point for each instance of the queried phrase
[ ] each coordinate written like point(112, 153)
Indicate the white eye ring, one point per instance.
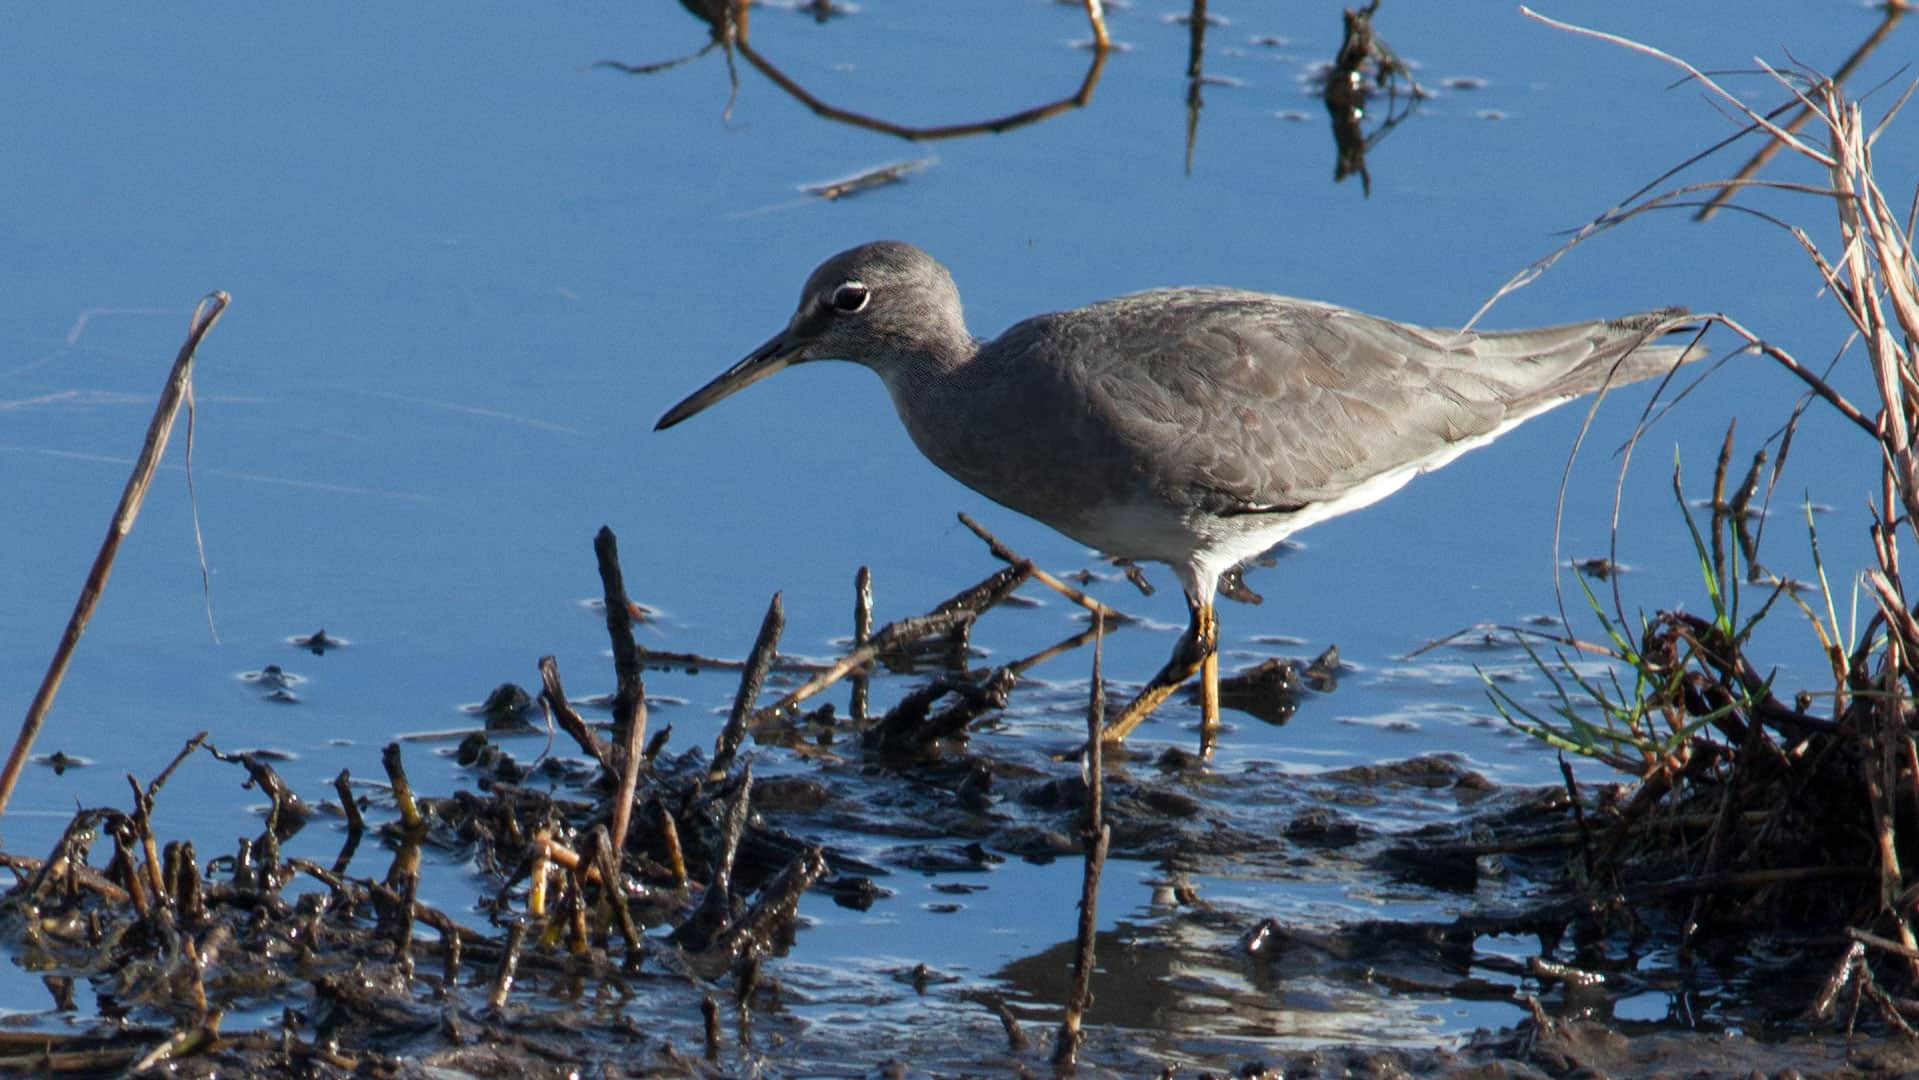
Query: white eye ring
point(850, 298)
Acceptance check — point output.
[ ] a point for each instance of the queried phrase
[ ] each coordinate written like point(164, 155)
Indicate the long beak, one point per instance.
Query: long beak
point(760, 363)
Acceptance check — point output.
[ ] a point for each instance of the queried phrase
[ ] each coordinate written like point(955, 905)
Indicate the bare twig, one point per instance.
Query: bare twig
point(757, 663)
point(1006, 555)
point(553, 696)
point(862, 632)
point(159, 429)
point(629, 699)
point(410, 817)
point(509, 966)
point(1893, 13)
point(958, 611)
point(1095, 835)
point(702, 928)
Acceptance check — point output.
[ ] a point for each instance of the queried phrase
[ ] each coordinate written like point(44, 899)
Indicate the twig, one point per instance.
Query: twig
point(1006, 555)
point(409, 809)
point(1579, 818)
point(403, 931)
point(67, 861)
point(1866, 939)
point(757, 663)
point(1063, 645)
point(539, 866)
point(657, 743)
point(881, 176)
point(509, 966)
point(670, 837)
point(1095, 835)
point(777, 903)
point(1893, 13)
point(629, 700)
point(188, 893)
point(159, 429)
point(907, 731)
point(958, 611)
point(701, 929)
point(1015, 1038)
point(343, 787)
point(612, 889)
point(160, 781)
point(710, 1021)
point(669, 660)
point(142, 821)
point(862, 632)
point(1698, 76)
point(450, 951)
point(553, 696)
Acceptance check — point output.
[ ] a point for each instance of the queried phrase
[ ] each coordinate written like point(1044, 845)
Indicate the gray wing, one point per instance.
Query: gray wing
point(1243, 402)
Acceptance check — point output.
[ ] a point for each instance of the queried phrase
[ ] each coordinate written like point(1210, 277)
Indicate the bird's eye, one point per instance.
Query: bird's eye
point(850, 297)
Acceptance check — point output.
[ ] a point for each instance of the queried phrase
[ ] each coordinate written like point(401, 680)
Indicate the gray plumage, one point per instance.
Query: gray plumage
point(1192, 426)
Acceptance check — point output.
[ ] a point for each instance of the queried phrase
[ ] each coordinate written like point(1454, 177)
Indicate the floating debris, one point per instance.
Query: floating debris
point(509, 708)
point(319, 642)
point(274, 683)
point(1599, 569)
point(60, 761)
point(881, 176)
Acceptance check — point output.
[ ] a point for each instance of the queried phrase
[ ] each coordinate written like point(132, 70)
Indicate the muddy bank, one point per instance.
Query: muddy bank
point(630, 907)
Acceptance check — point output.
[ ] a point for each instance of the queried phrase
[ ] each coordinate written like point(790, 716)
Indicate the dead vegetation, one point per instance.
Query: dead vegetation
point(1752, 815)
point(649, 871)
point(630, 866)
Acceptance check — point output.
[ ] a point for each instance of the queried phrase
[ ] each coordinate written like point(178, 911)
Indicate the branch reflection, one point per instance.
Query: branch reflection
point(1894, 11)
point(727, 22)
point(1364, 67)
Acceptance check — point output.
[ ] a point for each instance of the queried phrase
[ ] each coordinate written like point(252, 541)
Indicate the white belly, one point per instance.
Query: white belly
point(1200, 547)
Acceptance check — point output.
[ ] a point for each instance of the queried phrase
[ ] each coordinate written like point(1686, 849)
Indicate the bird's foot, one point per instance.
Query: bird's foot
point(1196, 654)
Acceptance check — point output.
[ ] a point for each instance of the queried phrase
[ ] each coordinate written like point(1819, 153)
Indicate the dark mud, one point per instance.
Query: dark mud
point(1355, 921)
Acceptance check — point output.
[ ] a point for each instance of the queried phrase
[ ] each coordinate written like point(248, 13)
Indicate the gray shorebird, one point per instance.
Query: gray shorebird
point(1196, 427)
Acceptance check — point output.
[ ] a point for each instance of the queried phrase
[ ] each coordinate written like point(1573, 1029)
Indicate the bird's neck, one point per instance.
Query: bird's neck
point(925, 365)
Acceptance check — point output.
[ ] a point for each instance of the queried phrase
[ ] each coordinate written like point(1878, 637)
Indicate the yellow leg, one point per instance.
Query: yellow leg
point(1196, 654)
point(1209, 695)
point(1209, 688)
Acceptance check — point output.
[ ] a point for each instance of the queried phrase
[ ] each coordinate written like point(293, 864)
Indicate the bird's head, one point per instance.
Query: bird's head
point(887, 305)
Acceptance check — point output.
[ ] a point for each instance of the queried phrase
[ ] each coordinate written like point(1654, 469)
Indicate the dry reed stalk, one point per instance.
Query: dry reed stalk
point(178, 390)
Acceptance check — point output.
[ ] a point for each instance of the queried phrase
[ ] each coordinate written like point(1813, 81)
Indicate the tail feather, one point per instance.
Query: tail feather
point(1597, 355)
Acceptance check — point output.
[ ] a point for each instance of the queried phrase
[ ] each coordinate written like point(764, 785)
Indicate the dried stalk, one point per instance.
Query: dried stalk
point(178, 390)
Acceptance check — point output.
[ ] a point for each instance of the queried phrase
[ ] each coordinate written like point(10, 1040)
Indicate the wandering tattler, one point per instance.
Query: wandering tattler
point(1196, 427)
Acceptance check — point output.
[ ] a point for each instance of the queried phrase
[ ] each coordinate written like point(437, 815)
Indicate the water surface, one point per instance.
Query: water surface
point(470, 269)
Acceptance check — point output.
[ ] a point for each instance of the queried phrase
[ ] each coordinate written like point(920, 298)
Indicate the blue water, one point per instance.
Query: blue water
point(469, 270)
